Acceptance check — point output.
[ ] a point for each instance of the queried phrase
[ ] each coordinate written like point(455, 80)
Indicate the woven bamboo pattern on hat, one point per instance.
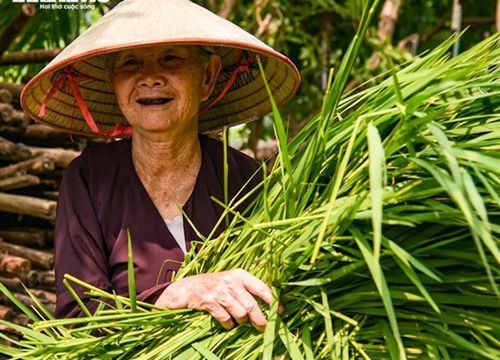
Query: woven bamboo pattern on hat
point(141, 23)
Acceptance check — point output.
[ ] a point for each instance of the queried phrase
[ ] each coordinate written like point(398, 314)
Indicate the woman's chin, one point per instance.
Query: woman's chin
point(163, 126)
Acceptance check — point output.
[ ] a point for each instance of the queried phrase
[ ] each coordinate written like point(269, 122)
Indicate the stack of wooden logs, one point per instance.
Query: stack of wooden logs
point(32, 161)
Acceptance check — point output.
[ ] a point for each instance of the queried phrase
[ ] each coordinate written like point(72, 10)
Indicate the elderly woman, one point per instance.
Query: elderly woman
point(156, 73)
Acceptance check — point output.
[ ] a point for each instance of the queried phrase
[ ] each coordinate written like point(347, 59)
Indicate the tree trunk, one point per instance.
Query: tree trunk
point(456, 24)
point(26, 205)
point(61, 157)
point(19, 181)
point(226, 8)
point(29, 57)
point(38, 258)
point(26, 12)
point(14, 89)
point(6, 313)
point(12, 283)
point(10, 151)
point(6, 96)
point(386, 24)
point(37, 135)
point(4, 329)
point(22, 319)
point(47, 279)
point(47, 296)
point(37, 166)
point(388, 18)
point(12, 116)
point(498, 15)
point(256, 132)
point(6, 112)
point(25, 236)
point(14, 265)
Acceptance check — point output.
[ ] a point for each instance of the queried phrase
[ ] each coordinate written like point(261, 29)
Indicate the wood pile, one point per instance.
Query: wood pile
point(33, 158)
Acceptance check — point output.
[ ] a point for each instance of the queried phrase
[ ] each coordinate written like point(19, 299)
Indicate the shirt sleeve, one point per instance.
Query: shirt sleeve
point(152, 294)
point(79, 244)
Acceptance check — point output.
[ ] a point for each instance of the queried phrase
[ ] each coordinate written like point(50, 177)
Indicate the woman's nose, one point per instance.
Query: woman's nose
point(151, 78)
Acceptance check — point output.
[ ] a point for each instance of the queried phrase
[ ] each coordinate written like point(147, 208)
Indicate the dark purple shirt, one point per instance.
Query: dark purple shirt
point(101, 197)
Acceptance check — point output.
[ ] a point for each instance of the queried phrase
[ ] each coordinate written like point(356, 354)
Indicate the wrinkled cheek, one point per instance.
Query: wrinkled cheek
point(192, 103)
point(126, 108)
point(127, 112)
point(123, 91)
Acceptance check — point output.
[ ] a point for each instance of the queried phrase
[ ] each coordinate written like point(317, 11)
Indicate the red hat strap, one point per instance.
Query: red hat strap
point(71, 77)
point(232, 78)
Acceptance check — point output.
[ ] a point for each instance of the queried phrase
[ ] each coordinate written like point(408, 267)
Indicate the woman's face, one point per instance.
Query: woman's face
point(160, 88)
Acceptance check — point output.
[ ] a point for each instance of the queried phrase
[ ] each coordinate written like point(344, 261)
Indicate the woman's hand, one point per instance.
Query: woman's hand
point(225, 295)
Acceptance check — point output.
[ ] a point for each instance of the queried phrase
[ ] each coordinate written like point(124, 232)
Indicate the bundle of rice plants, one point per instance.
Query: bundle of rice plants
point(377, 228)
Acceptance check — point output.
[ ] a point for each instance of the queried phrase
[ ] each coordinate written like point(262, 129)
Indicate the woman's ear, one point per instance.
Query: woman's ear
point(212, 70)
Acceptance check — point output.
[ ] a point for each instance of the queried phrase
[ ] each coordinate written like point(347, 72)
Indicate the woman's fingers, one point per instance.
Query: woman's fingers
point(226, 296)
point(236, 310)
point(221, 315)
point(255, 286)
point(251, 307)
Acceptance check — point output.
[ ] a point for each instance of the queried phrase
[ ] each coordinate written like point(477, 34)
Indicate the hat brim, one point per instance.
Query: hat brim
point(246, 100)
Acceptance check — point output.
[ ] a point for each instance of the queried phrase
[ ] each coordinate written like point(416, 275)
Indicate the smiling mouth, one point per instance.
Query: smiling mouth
point(156, 101)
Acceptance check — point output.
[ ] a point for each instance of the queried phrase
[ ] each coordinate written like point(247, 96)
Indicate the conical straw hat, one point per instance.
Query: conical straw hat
point(74, 84)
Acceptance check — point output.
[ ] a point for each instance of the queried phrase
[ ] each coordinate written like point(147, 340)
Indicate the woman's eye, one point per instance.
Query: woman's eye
point(130, 62)
point(170, 57)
